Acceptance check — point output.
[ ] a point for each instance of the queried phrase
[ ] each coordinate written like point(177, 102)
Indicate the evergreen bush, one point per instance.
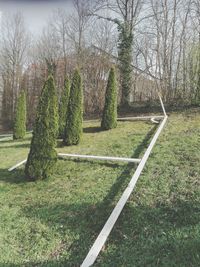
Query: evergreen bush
point(64, 100)
point(42, 156)
point(19, 130)
point(73, 127)
point(109, 118)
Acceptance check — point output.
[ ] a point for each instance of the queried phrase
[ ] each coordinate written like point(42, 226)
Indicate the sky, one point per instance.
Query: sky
point(36, 12)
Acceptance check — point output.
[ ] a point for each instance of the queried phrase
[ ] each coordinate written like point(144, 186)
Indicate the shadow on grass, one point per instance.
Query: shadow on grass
point(164, 235)
point(85, 130)
point(60, 143)
point(92, 129)
point(15, 177)
point(14, 145)
point(89, 161)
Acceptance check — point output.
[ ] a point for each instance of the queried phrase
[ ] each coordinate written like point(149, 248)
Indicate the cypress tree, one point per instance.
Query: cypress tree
point(73, 127)
point(109, 119)
point(19, 130)
point(42, 156)
point(63, 108)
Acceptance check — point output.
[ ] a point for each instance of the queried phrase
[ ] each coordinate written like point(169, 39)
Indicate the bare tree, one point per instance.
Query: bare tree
point(14, 44)
point(77, 26)
point(59, 24)
point(48, 47)
point(168, 33)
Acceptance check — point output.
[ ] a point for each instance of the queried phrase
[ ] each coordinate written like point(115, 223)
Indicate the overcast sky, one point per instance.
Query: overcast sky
point(36, 12)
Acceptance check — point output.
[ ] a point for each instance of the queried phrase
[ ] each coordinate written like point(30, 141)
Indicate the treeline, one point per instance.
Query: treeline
point(154, 44)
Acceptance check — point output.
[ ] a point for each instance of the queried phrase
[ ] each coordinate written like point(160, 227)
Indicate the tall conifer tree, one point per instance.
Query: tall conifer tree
point(109, 118)
point(42, 156)
point(73, 128)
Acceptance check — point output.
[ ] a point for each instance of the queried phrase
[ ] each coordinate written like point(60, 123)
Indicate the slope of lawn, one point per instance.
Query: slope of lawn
point(54, 222)
point(160, 225)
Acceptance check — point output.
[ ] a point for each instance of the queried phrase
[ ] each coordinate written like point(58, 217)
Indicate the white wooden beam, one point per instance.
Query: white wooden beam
point(102, 237)
point(140, 118)
point(154, 121)
point(162, 105)
point(84, 156)
point(5, 135)
point(17, 165)
point(7, 138)
point(100, 157)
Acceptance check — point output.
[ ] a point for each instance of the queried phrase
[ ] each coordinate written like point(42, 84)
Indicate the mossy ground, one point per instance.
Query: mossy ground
point(54, 222)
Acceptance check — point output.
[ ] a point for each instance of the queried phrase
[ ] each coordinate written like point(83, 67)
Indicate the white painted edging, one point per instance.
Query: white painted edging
point(84, 156)
point(100, 157)
point(102, 237)
point(154, 121)
point(162, 105)
point(17, 165)
point(140, 118)
point(6, 138)
point(6, 135)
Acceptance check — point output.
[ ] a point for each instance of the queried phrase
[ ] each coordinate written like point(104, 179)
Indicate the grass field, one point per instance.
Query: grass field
point(54, 222)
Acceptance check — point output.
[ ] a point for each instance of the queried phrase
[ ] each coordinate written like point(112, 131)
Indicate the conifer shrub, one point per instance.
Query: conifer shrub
point(73, 127)
point(109, 118)
point(63, 106)
point(42, 156)
point(19, 130)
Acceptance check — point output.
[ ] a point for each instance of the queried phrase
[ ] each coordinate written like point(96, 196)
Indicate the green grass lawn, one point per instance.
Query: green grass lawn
point(54, 222)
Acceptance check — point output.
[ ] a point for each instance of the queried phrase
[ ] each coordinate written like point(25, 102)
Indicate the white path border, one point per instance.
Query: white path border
point(140, 118)
point(17, 165)
point(5, 135)
point(85, 157)
point(154, 121)
point(7, 138)
point(99, 157)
